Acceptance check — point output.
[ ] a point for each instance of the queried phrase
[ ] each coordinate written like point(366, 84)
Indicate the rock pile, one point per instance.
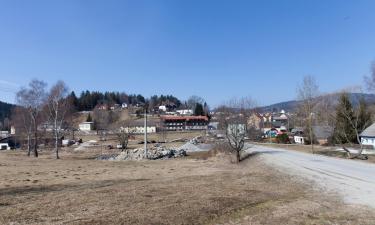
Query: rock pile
point(152, 154)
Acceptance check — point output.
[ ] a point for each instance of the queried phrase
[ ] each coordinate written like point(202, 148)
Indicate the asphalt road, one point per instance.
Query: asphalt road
point(353, 180)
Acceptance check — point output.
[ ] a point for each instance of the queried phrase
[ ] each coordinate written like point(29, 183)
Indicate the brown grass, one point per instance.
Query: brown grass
point(200, 189)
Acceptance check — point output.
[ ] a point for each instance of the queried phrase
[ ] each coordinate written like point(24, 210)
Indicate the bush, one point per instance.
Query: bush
point(283, 139)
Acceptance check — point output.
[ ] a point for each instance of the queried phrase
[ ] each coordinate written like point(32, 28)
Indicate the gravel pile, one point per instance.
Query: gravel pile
point(152, 154)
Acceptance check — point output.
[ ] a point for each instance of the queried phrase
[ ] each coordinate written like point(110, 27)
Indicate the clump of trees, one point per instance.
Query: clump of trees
point(89, 99)
point(350, 122)
point(38, 108)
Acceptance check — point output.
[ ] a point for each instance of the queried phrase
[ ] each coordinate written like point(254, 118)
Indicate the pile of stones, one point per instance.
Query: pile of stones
point(153, 153)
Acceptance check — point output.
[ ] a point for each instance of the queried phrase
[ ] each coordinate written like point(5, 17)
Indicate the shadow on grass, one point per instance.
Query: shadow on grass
point(60, 187)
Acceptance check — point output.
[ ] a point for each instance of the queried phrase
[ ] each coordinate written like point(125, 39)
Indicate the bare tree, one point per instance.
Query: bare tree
point(233, 118)
point(307, 93)
point(123, 138)
point(193, 101)
point(58, 107)
point(370, 80)
point(23, 124)
point(32, 98)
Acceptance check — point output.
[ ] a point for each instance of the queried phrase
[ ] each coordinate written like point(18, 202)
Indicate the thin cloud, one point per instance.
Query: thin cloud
point(5, 82)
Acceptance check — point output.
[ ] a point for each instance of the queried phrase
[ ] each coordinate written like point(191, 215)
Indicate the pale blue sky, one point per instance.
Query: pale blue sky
point(217, 49)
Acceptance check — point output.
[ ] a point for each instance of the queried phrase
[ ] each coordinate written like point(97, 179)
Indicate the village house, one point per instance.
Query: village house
point(184, 122)
point(8, 143)
point(368, 136)
point(280, 120)
point(185, 112)
point(86, 126)
point(138, 127)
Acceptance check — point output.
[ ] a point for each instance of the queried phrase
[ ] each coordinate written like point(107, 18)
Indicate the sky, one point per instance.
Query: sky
point(216, 49)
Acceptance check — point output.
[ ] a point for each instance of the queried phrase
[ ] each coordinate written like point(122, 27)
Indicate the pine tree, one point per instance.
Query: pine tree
point(89, 119)
point(344, 131)
point(364, 116)
point(199, 111)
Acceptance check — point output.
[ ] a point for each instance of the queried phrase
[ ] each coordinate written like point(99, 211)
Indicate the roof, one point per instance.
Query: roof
point(369, 132)
point(87, 123)
point(187, 118)
point(141, 123)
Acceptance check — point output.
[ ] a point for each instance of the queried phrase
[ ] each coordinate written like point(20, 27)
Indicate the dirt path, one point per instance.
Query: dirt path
point(353, 180)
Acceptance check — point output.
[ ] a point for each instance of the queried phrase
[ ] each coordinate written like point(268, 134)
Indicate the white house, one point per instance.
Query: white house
point(368, 136)
point(86, 126)
point(185, 112)
point(124, 105)
point(163, 108)
point(4, 146)
point(299, 140)
point(137, 127)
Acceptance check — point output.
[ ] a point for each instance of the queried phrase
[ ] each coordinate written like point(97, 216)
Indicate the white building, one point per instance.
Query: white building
point(4, 146)
point(86, 126)
point(185, 112)
point(368, 136)
point(163, 108)
point(299, 140)
point(138, 127)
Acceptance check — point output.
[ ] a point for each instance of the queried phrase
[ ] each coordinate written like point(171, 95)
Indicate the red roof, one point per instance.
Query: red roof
point(187, 118)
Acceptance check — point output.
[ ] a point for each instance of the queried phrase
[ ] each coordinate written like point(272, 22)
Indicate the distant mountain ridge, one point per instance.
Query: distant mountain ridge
point(291, 106)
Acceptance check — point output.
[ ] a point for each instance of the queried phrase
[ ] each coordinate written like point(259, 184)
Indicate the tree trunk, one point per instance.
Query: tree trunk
point(57, 145)
point(311, 136)
point(238, 156)
point(36, 141)
point(348, 154)
point(28, 144)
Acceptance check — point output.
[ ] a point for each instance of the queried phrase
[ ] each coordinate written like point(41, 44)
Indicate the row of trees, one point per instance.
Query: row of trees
point(37, 107)
point(348, 121)
point(88, 100)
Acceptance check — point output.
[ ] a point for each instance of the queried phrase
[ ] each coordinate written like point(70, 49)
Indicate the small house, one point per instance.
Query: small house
point(138, 127)
point(86, 126)
point(368, 136)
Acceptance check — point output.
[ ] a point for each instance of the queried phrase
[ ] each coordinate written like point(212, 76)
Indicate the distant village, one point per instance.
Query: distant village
point(168, 114)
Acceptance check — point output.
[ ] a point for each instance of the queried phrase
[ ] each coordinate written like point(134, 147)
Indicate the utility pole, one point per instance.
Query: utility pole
point(145, 133)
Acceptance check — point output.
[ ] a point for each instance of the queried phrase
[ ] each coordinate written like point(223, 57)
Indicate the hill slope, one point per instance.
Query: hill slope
point(291, 106)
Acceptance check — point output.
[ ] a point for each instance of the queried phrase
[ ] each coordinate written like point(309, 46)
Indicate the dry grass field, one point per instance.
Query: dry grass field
point(200, 189)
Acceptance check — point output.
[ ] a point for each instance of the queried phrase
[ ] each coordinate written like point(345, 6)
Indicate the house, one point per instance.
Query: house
point(124, 105)
point(4, 134)
point(185, 122)
point(162, 108)
point(299, 140)
point(368, 136)
point(260, 121)
point(86, 126)
point(8, 143)
point(115, 107)
point(138, 127)
point(185, 112)
point(102, 106)
point(280, 120)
